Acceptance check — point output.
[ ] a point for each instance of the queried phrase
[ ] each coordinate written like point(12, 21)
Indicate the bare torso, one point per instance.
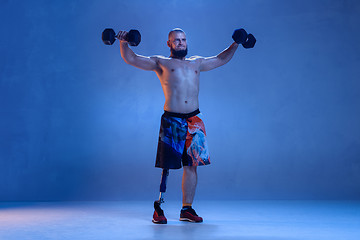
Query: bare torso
point(179, 77)
point(180, 83)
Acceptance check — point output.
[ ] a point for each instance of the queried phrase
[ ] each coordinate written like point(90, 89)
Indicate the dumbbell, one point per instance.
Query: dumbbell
point(240, 36)
point(109, 37)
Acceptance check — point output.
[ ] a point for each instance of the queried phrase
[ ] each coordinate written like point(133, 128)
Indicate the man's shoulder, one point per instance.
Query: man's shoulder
point(195, 57)
point(159, 57)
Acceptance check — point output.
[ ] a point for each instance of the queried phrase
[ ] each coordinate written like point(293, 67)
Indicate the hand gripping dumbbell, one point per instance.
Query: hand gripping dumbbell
point(240, 36)
point(109, 37)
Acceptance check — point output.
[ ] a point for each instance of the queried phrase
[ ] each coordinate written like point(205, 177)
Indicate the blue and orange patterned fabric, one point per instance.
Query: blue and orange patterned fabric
point(182, 140)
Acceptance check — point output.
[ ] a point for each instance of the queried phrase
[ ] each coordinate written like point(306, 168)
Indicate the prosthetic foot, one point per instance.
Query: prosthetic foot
point(158, 216)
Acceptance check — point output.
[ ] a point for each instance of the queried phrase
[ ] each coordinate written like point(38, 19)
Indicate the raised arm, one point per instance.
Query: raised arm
point(210, 63)
point(240, 36)
point(142, 62)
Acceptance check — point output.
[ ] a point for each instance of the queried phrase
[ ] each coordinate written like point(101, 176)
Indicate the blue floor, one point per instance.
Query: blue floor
point(251, 220)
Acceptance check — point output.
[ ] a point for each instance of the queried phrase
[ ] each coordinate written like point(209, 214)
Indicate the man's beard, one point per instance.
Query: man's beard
point(178, 53)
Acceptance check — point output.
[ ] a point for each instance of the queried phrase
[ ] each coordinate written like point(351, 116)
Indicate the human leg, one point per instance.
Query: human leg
point(189, 182)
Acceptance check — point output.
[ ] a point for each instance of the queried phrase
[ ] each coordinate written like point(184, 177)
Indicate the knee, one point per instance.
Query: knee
point(190, 169)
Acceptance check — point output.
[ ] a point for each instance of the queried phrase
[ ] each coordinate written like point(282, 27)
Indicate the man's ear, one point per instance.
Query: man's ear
point(168, 43)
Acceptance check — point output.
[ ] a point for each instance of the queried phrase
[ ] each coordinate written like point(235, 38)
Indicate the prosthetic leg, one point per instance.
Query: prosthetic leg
point(165, 174)
point(159, 216)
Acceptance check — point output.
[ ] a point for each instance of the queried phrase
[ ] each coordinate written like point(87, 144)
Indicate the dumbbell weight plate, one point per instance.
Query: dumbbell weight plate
point(133, 37)
point(250, 42)
point(108, 36)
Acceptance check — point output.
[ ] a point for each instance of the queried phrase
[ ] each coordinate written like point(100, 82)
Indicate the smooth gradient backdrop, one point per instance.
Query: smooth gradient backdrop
point(78, 123)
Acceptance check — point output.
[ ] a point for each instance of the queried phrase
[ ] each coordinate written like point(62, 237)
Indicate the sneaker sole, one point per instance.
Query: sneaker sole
point(159, 222)
point(188, 220)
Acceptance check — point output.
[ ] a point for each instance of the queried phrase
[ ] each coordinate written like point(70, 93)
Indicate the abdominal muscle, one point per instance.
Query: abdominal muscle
point(181, 96)
point(181, 104)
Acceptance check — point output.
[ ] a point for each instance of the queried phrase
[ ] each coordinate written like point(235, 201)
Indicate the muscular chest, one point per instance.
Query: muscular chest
point(175, 70)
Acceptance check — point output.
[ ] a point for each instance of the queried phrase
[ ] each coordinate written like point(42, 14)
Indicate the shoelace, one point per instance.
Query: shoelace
point(159, 211)
point(192, 211)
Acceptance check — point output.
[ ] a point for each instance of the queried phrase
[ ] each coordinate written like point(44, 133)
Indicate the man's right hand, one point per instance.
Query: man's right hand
point(122, 36)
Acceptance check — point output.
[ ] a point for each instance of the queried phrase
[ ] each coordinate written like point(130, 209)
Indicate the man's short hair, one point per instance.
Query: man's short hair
point(175, 30)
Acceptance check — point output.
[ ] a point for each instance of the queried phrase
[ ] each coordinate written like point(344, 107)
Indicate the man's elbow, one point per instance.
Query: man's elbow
point(129, 60)
point(221, 61)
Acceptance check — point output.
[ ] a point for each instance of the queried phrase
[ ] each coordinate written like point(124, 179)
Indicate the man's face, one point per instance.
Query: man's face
point(177, 44)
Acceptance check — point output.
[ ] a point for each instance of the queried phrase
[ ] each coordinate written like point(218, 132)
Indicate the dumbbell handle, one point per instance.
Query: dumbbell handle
point(125, 37)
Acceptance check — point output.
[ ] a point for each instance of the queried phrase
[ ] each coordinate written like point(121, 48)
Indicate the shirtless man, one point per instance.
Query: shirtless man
point(182, 133)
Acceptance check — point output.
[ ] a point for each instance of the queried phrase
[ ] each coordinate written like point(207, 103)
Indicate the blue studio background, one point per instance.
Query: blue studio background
point(78, 123)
